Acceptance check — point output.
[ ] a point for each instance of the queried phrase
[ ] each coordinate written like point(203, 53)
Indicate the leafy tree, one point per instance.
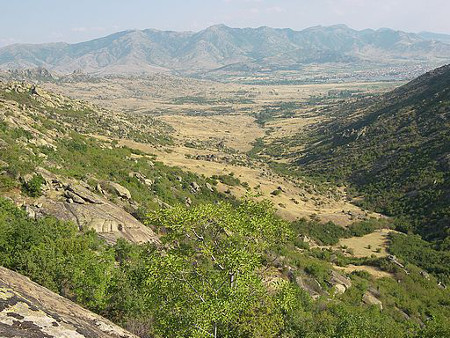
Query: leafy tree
point(208, 280)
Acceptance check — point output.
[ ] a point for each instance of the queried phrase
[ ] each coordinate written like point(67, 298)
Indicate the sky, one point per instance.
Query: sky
point(39, 21)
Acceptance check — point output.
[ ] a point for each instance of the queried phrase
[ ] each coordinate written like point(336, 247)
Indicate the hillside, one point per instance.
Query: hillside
point(220, 49)
point(51, 166)
point(395, 149)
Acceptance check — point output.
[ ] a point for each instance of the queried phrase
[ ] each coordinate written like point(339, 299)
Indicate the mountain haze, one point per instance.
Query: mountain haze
point(147, 51)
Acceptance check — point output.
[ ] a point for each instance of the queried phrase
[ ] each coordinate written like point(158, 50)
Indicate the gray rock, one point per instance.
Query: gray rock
point(74, 197)
point(370, 299)
point(195, 188)
point(84, 193)
point(338, 279)
point(120, 190)
point(31, 213)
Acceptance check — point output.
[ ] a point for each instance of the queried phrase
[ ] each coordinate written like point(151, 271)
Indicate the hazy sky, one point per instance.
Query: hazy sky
point(35, 21)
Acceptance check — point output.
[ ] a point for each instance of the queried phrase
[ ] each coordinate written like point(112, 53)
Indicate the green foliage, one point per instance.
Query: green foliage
point(363, 228)
point(33, 187)
point(326, 234)
point(392, 153)
point(53, 254)
point(207, 280)
point(227, 179)
point(209, 275)
point(413, 249)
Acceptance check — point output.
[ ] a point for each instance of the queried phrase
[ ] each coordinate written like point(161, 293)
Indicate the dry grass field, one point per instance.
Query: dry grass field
point(368, 245)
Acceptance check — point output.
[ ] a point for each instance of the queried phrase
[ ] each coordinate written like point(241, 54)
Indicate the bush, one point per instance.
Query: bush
point(33, 187)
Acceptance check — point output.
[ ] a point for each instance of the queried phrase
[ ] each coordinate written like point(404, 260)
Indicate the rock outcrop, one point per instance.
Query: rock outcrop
point(30, 310)
point(119, 190)
point(71, 201)
point(370, 299)
point(340, 282)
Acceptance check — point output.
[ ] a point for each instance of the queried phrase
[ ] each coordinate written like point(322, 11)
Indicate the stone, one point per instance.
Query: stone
point(110, 221)
point(84, 193)
point(30, 212)
point(195, 188)
point(74, 197)
point(209, 187)
point(120, 190)
point(370, 299)
point(340, 288)
point(148, 182)
point(188, 201)
point(338, 279)
point(99, 189)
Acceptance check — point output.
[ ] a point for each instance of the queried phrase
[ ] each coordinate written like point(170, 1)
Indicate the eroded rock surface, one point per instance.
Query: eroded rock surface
point(71, 201)
point(30, 310)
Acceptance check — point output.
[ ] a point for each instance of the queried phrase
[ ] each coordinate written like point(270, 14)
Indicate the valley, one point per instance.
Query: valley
point(227, 200)
point(214, 131)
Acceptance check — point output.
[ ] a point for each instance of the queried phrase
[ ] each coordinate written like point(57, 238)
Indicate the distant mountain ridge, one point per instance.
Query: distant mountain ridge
point(219, 46)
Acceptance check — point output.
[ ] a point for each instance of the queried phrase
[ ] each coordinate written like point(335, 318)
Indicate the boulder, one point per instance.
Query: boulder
point(120, 190)
point(209, 187)
point(339, 281)
point(84, 193)
point(195, 187)
point(73, 197)
point(370, 299)
point(340, 288)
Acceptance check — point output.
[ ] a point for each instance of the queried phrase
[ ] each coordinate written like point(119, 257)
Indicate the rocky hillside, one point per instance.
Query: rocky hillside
point(50, 166)
point(395, 149)
point(224, 48)
point(30, 310)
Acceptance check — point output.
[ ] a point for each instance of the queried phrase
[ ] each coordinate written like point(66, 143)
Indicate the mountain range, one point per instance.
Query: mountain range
point(221, 48)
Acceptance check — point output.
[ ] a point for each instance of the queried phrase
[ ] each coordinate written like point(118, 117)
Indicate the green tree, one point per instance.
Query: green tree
point(208, 279)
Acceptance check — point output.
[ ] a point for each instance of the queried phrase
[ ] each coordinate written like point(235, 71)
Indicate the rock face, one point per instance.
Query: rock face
point(108, 220)
point(30, 310)
point(71, 201)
